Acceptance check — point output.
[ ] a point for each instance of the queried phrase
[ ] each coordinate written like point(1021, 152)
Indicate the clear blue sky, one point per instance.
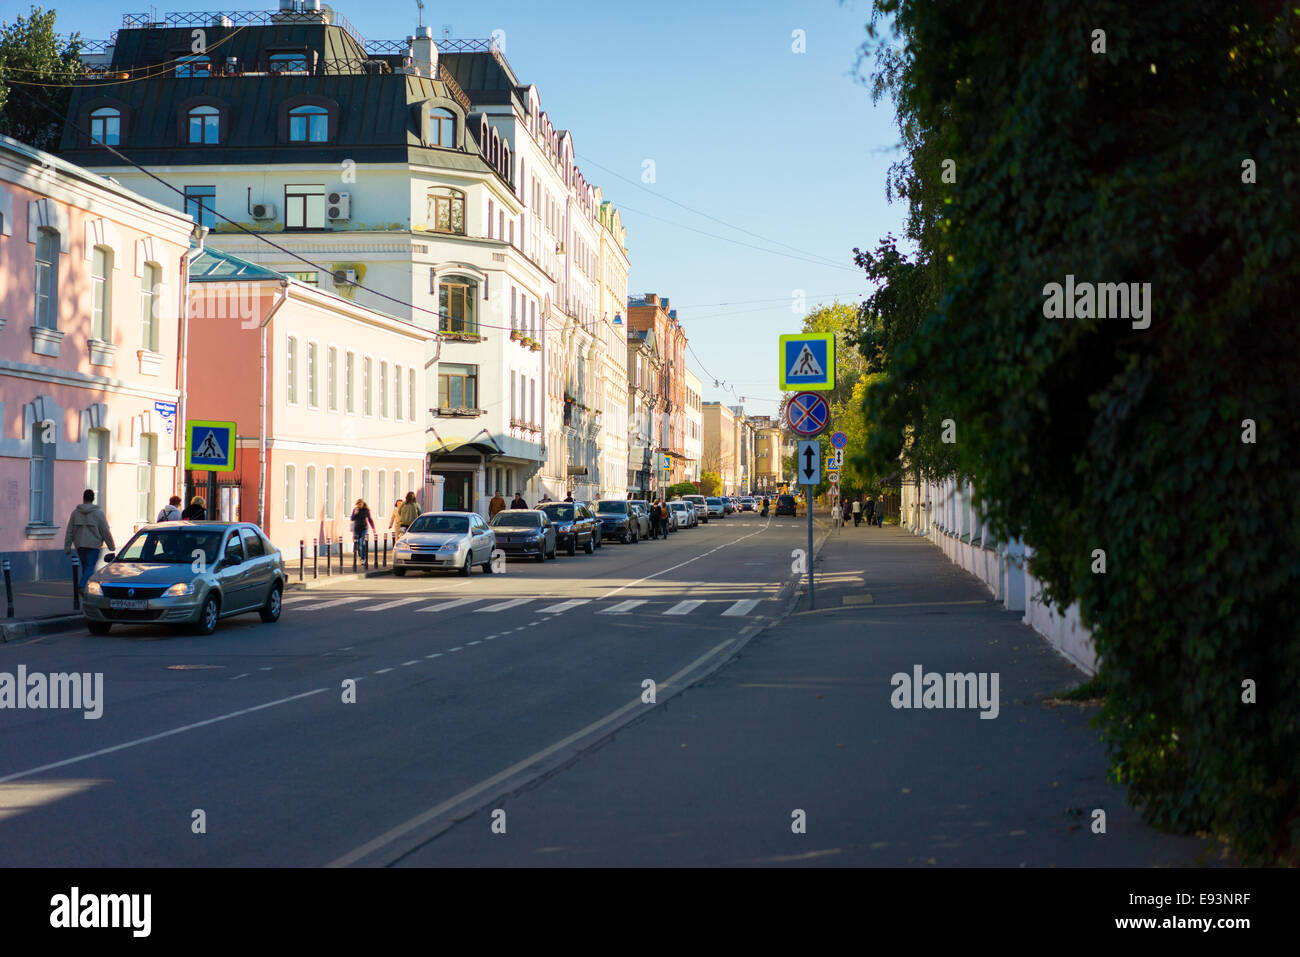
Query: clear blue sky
point(787, 146)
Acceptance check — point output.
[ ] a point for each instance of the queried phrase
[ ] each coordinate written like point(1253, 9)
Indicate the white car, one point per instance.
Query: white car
point(701, 505)
point(457, 540)
point(683, 515)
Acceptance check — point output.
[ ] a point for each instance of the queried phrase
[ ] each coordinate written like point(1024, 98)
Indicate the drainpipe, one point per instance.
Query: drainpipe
point(182, 357)
point(261, 427)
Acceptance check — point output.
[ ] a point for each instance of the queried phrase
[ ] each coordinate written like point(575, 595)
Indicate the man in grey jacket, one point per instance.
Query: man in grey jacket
point(87, 531)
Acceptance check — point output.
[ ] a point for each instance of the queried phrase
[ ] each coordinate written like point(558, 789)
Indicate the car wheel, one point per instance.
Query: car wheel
point(573, 544)
point(399, 572)
point(98, 627)
point(271, 609)
point(464, 568)
point(487, 566)
point(591, 545)
point(209, 614)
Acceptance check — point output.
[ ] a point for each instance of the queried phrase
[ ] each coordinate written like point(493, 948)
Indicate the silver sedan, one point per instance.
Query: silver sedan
point(458, 540)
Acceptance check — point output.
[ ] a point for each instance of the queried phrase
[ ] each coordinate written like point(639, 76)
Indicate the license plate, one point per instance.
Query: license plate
point(128, 604)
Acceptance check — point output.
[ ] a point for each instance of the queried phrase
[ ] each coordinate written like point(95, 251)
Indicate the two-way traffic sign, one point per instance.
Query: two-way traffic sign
point(808, 462)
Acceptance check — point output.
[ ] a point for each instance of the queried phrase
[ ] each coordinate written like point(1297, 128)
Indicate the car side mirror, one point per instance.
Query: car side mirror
point(108, 558)
point(232, 560)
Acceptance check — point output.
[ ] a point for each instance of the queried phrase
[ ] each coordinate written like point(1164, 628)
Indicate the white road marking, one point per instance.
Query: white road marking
point(688, 561)
point(622, 608)
point(443, 606)
point(393, 604)
point(383, 671)
point(456, 649)
point(237, 677)
point(563, 606)
point(506, 605)
point(684, 607)
point(742, 607)
point(476, 642)
point(156, 737)
point(407, 664)
point(436, 654)
point(333, 604)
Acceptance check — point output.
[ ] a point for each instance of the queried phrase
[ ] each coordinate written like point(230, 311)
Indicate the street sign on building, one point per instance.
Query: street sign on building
point(808, 361)
point(210, 446)
point(808, 462)
point(807, 414)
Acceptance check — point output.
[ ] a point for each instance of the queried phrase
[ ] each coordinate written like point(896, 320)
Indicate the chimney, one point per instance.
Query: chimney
point(651, 299)
point(424, 55)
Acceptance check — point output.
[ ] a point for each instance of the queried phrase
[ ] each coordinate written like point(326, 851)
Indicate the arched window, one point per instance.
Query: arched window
point(204, 124)
point(106, 126)
point(446, 213)
point(442, 128)
point(308, 124)
point(457, 305)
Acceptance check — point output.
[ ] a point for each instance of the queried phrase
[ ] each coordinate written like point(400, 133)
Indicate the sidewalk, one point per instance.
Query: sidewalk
point(802, 720)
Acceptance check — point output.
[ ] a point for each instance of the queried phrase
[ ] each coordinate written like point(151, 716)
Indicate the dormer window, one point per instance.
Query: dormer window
point(288, 62)
point(446, 212)
point(204, 124)
point(106, 126)
point(193, 66)
point(308, 124)
point(442, 128)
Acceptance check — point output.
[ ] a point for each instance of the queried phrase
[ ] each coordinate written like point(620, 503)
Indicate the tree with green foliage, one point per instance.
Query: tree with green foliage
point(32, 55)
point(1152, 441)
point(680, 489)
point(710, 483)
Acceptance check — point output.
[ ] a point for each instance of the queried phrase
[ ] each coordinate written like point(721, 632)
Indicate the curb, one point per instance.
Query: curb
point(39, 626)
point(325, 580)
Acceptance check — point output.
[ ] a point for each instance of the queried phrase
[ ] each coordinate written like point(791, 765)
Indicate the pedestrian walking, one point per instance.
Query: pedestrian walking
point(518, 501)
point(394, 518)
point(87, 531)
point(857, 512)
point(870, 511)
point(171, 512)
point(362, 524)
point(407, 513)
point(497, 504)
point(880, 511)
point(197, 510)
point(836, 519)
point(569, 497)
point(664, 517)
point(655, 525)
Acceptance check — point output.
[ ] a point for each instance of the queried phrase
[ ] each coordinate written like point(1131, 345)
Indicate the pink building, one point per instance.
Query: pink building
point(90, 291)
point(334, 413)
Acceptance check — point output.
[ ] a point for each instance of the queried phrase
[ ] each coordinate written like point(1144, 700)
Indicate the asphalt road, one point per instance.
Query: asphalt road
point(466, 689)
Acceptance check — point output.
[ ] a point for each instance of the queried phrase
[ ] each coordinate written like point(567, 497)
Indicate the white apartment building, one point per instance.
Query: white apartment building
point(694, 426)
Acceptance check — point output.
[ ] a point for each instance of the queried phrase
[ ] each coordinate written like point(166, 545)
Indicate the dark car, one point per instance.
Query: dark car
point(193, 573)
point(525, 531)
point(786, 505)
point(588, 510)
point(617, 520)
point(575, 526)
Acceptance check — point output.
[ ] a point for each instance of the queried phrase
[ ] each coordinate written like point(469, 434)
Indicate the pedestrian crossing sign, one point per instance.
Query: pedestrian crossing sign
point(210, 446)
point(808, 362)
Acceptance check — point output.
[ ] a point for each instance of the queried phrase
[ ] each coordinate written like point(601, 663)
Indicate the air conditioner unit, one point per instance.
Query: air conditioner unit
point(264, 210)
point(345, 277)
point(338, 206)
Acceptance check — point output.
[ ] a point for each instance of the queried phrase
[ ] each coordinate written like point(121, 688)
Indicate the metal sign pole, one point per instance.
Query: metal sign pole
point(812, 586)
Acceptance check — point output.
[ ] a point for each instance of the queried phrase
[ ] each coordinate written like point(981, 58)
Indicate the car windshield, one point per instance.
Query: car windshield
point(456, 524)
point(612, 508)
point(173, 546)
point(559, 513)
point(517, 519)
point(679, 506)
point(714, 501)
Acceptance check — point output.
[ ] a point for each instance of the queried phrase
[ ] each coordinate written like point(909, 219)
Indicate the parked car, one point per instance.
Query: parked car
point(617, 520)
point(715, 507)
point(700, 504)
point(730, 504)
point(642, 510)
point(188, 573)
point(588, 510)
point(747, 504)
point(575, 527)
point(455, 540)
point(525, 531)
point(683, 514)
point(786, 505)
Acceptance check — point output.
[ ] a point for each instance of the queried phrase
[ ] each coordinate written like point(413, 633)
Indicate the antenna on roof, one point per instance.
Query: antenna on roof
point(420, 4)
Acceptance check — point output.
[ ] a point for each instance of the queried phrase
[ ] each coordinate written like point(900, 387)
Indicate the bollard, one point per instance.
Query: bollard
point(9, 591)
point(329, 558)
point(302, 558)
point(76, 582)
point(374, 549)
point(315, 560)
point(340, 554)
point(354, 553)
point(385, 549)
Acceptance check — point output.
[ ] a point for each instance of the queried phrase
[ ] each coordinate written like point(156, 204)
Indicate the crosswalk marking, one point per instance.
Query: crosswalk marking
point(444, 605)
point(564, 606)
point(506, 605)
point(622, 608)
point(391, 604)
point(335, 603)
point(684, 607)
point(742, 607)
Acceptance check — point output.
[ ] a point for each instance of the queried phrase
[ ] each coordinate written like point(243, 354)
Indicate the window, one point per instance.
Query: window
point(253, 544)
point(204, 124)
point(310, 278)
point(47, 278)
point(512, 230)
point(491, 207)
point(149, 305)
point(501, 224)
point(383, 390)
point(410, 481)
point(309, 503)
point(146, 462)
point(313, 398)
point(349, 406)
point(514, 321)
point(41, 477)
point(457, 297)
point(332, 379)
point(290, 484)
point(457, 386)
point(193, 66)
point(201, 203)
point(308, 124)
point(366, 407)
point(365, 487)
point(347, 490)
point(97, 462)
point(442, 128)
point(101, 284)
point(513, 375)
point(446, 213)
point(410, 387)
point(106, 126)
point(289, 63)
point(397, 484)
point(329, 492)
point(382, 499)
point(397, 392)
point(291, 370)
point(304, 207)
point(532, 400)
point(234, 547)
point(532, 312)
